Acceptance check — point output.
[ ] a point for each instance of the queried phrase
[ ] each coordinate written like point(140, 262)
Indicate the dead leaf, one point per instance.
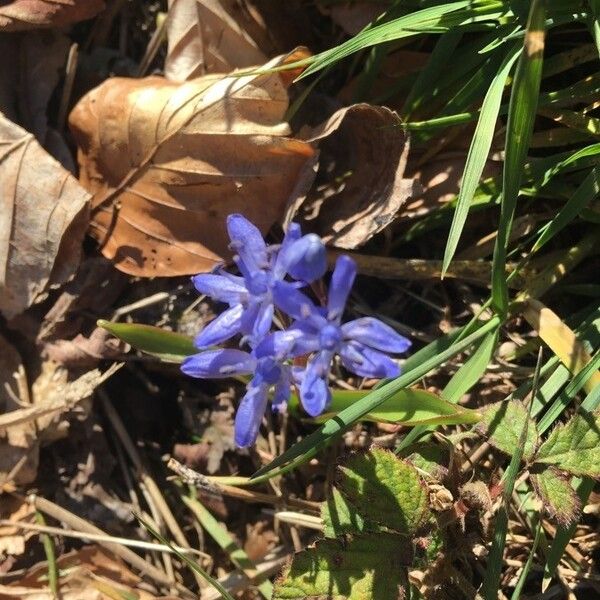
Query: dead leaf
point(85, 351)
point(352, 17)
point(212, 36)
point(168, 162)
point(359, 186)
point(29, 79)
point(12, 538)
point(42, 220)
point(90, 572)
point(33, 14)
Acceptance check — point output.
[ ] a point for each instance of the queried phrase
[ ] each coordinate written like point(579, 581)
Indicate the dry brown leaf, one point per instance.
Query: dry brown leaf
point(12, 538)
point(33, 14)
point(359, 186)
point(352, 17)
point(168, 162)
point(43, 215)
point(90, 573)
point(212, 36)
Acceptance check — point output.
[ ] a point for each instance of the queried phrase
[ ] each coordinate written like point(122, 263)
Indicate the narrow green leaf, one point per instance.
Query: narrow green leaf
point(585, 193)
point(521, 116)
point(558, 497)
point(516, 595)
point(224, 539)
point(194, 566)
point(364, 567)
point(310, 445)
point(385, 490)
point(595, 21)
point(503, 423)
point(575, 446)
point(407, 407)
point(478, 153)
point(162, 343)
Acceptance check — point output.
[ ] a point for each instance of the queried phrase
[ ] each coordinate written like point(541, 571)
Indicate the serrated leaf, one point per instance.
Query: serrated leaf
point(162, 343)
point(575, 446)
point(362, 568)
point(429, 457)
point(559, 498)
point(340, 517)
point(385, 490)
point(503, 423)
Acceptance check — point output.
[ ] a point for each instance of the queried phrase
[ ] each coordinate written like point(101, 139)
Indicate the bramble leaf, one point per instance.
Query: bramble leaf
point(385, 490)
point(359, 568)
point(340, 517)
point(503, 423)
point(559, 498)
point(574, 446)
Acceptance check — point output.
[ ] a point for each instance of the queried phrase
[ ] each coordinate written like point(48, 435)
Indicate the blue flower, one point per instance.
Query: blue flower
point(362, 344)
point(268, 373)
point(250, 297)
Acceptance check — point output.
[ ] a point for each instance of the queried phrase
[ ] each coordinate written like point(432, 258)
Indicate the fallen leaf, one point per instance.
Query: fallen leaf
point(359, 186)
point(211, 36)
point(90, 572)
point(12, 538)
point(28, 81)
point(352, 17)
point(168, 162)
point(33, 14)
point(42, 220)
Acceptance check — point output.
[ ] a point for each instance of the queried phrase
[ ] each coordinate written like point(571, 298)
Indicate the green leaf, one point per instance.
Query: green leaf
point(340, 517)
point(429, 457)
point(385, 490)
point(406, 407)
point(584, 194)
point(162, 343)
point(361, 568)
point(478, 153)
point(558, 497)
point(503, 423)
point(575, 446)
point(521, 116)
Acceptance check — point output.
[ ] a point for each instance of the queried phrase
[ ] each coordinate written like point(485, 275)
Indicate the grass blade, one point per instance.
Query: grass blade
point(478, 153)
point(521, 116)
point(194, 566)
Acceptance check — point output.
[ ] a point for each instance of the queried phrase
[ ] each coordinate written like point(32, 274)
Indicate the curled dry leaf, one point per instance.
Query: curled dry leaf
point(43, 217)
point(32, 14)
point(168, 162)
point(212, 36)
point(359, 185)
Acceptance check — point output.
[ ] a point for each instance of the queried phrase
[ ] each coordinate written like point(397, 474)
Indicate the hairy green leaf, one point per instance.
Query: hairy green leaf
point(340, 517)
point(575, 446)
point(385, 490)
point(503, 423)
point(162, 343)
point(559, 498)
point(361, 568)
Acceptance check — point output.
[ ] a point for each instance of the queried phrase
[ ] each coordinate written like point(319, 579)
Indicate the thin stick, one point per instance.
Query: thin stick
point(70, 71)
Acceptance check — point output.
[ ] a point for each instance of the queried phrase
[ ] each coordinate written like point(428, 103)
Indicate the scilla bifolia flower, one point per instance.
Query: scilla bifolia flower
point(317, 332)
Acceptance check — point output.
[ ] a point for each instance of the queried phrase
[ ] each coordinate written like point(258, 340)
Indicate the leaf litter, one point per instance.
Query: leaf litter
point(161, 162)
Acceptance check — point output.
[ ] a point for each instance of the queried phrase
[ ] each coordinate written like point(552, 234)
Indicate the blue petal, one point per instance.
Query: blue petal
point(247, 242)
point(305, 259)
point(249, 415)
point(364, 361)
point(282, 391)
point(214, 364)
point(292, 301)
point(262, 324)
point(340, 286)
point(314, 390)
point(287, 344)
point(225, 326)
point(374, 333)
point(221, 288)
